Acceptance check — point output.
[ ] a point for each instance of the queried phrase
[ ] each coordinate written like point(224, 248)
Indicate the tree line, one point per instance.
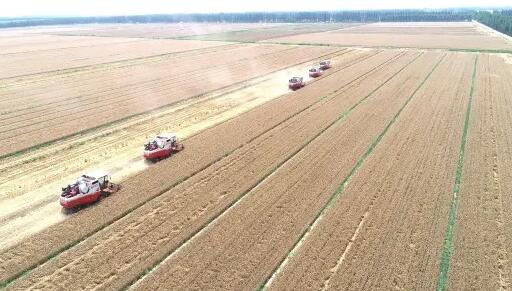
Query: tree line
point(317, 16)
point(499, 20)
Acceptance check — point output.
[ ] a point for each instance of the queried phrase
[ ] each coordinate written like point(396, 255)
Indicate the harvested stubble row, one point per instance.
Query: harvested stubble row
point(253, 35)
point(34, 62)
point(202, 151)
point(160, 75)
point(31, 43)
point(60, 78)
point(386, 230)
point(93, 88)
point(377, 35)
point(99, 83)
point(482, 242)
point(23, 135)
point(52, 162)
point(145, 236)
point(245, 245)
point(179, 61)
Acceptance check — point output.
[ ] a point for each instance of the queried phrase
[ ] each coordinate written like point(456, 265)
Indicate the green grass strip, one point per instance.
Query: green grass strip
point(454, 205)
point(341, 187)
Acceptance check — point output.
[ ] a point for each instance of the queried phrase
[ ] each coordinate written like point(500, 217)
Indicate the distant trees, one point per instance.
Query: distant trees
point(499, 20)
point(315, 16)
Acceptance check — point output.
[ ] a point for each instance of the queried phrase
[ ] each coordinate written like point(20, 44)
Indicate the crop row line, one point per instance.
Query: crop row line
point(340, 189)
point(454, 204)
point(239, 198)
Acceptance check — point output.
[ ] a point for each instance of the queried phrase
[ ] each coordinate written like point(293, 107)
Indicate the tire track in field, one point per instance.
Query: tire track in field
point(338, 192)
point(64, 70)
point(103, 98)
point(7, 280)
point(454, 204)
point(166, 80)
point(504, 280)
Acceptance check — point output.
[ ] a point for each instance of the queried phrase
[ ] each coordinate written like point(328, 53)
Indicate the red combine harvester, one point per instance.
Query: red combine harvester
point(161, 147)
point(325, 64)
point(296, 83)
point(315, 72)
point(86, 190)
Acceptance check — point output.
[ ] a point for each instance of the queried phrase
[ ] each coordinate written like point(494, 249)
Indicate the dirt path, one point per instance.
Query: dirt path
point(198, 156)
point(386, 229)
point(482, 240)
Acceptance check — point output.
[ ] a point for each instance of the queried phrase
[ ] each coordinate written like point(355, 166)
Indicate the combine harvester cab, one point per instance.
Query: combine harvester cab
point(325, 64)
point(86, 190)
point(315, 72)
point(296, 83)
point(161, 147)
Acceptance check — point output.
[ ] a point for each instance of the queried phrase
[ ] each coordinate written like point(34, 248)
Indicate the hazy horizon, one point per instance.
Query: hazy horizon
point(83, 8)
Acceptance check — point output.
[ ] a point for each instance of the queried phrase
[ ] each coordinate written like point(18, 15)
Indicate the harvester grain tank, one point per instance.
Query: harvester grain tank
point(161, 147)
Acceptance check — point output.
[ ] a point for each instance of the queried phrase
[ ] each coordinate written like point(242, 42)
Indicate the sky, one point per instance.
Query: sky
point(16, 8)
